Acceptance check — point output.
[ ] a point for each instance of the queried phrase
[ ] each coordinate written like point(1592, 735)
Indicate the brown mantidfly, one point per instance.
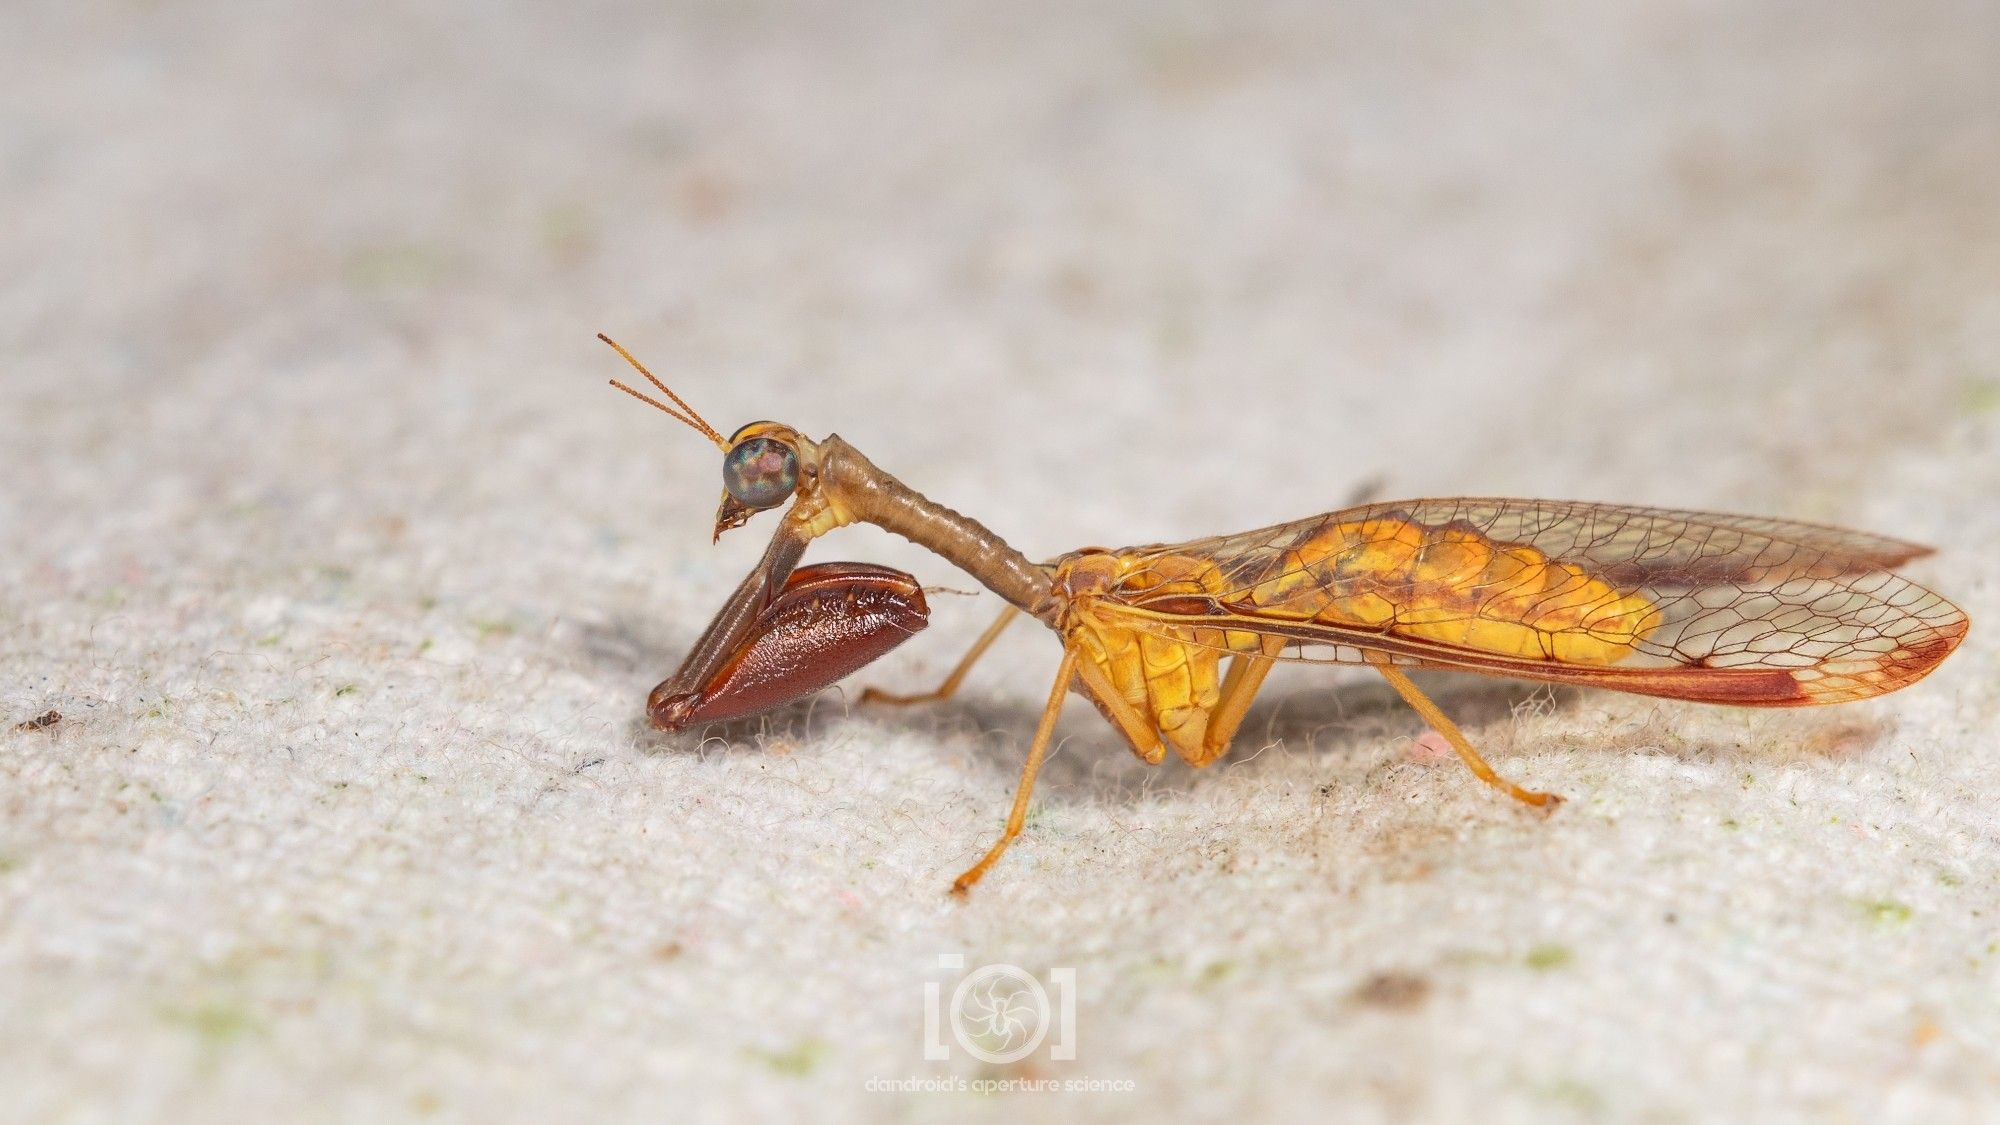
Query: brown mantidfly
point(1684, 605)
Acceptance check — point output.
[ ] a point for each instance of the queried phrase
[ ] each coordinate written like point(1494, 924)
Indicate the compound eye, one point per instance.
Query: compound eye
point(760, 472)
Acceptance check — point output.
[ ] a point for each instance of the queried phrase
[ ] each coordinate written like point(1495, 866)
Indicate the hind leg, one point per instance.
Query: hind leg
point(1444, 726)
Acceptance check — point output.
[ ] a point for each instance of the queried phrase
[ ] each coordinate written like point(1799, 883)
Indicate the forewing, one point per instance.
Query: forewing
point(1689, 605)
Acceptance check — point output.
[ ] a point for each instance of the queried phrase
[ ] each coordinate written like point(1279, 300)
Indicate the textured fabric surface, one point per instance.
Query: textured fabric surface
point(347, 575)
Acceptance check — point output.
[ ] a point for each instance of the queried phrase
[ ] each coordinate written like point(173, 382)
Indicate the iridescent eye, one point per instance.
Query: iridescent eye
point(760, 472)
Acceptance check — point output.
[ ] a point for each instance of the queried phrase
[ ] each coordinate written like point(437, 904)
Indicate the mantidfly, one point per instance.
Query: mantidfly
point(1683, 605)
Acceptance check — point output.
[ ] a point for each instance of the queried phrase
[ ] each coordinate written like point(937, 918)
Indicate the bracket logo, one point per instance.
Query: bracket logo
point(1001, 1013)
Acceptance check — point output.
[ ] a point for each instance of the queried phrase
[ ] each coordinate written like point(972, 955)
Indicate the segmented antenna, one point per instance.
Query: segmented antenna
point(685, 414)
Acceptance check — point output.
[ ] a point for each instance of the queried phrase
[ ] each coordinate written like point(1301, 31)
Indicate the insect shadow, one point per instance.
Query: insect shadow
point(625, 644)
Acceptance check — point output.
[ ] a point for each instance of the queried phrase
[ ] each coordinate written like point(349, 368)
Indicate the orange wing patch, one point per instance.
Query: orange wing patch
point(1685, 605)
point(1453, 585)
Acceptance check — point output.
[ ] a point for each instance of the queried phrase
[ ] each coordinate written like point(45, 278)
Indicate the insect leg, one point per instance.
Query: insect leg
point(1137, 729)
point(1239, 688)
point(736, 621)
point(1036, 751)
point(829, 620)
point(1444, 726)
point(951, 682)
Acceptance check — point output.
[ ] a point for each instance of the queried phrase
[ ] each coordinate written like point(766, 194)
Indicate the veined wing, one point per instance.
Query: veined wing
point(1689, 605)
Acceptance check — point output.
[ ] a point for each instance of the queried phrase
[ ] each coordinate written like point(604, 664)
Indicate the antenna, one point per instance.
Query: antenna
point(685, 414)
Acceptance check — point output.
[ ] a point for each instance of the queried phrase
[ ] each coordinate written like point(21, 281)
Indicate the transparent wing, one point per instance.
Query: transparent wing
point(1689, 605)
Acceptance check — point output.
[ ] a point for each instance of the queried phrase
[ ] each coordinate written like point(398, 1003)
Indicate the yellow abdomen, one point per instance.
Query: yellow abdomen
point(1447, 584)
point(1453, 585)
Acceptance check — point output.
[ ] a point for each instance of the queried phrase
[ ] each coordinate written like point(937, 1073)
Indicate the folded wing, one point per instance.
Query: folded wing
point(1688, 605)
